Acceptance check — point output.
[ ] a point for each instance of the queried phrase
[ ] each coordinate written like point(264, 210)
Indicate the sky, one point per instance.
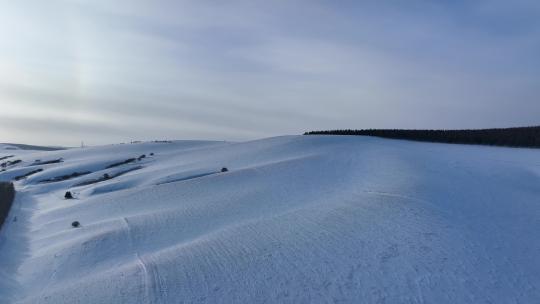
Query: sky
point(109, 71)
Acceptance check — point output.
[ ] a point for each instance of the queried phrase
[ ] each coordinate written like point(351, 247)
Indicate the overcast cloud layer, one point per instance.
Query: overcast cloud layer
point(108, 71)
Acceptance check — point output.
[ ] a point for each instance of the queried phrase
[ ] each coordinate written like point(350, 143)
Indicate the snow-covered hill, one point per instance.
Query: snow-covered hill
point(296, 219)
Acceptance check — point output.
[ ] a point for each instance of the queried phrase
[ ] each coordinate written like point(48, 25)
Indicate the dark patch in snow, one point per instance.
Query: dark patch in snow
point(106, 176)
point(186, 178)
point(17, 178)
point(10, 163)
point(6, 157)
point(125, 162)
point(37, 162)
point(64, 177)
point(7, 194)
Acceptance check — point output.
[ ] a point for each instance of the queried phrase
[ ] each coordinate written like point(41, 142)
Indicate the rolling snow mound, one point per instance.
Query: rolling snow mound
point(296, 219)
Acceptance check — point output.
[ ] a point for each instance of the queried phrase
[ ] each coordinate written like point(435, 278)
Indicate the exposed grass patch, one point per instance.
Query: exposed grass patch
point(106, 176)
point(64, 177)
point(38, 162)
point(68, 195)
point(125, 162)
point(185, 178)
point(10, 163)
point(7, 195)
point(17, 178)
point(6, 157)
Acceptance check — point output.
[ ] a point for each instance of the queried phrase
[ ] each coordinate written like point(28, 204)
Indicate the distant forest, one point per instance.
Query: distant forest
point(510, 137)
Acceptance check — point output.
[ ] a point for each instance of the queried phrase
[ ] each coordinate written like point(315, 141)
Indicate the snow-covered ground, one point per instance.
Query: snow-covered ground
point(296, 219)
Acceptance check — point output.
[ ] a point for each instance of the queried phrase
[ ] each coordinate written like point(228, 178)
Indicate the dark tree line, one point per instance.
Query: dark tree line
point(511, 137)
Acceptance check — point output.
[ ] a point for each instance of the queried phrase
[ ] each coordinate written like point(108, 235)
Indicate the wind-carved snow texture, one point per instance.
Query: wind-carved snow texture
point(297, 219)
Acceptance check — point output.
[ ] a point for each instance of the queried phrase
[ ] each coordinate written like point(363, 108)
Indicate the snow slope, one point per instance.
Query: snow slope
point(297, 219)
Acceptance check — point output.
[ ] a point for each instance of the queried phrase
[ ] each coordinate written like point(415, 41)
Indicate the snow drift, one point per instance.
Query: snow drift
point(296, 219)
